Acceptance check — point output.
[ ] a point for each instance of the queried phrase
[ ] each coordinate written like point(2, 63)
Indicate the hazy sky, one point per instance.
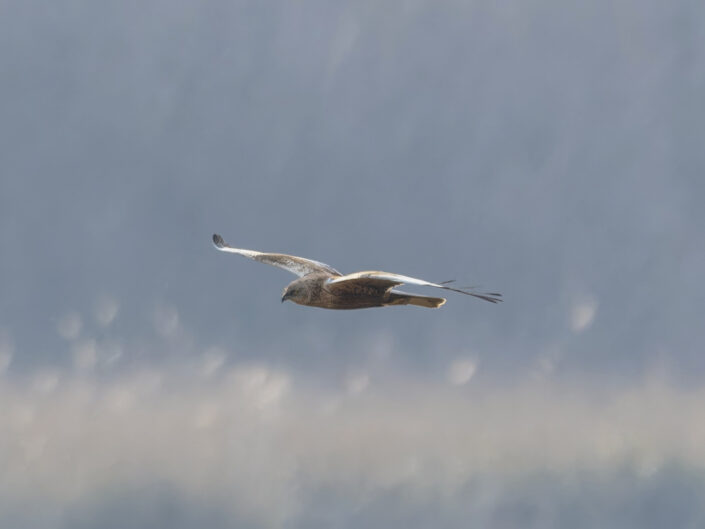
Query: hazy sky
point(550, 151)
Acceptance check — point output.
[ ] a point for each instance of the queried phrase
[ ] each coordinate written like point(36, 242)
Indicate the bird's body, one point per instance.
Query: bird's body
point(315, 290)
point(320, 285)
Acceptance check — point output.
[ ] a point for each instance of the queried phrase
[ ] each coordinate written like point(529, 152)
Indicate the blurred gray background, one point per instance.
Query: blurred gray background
point(550, 151)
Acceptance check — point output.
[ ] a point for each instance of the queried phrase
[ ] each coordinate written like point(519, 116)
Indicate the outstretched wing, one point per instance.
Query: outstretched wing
point(295, 265)
point(390, 280)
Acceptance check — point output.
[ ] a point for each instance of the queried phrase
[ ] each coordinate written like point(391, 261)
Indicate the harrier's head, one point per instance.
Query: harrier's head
point(294, 292)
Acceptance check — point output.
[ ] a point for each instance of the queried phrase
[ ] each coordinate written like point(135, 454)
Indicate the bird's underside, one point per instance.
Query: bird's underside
point(320, 285)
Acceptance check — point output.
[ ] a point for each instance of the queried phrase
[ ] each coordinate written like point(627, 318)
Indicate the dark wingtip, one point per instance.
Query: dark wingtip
point(218, 241)
point(492, 297)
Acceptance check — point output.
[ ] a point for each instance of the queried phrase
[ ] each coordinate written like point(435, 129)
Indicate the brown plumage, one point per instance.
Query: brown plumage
point(320, 285)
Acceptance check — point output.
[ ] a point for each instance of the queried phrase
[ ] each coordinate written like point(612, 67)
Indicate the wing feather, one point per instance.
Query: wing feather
point(398, 279)
point(296, 265)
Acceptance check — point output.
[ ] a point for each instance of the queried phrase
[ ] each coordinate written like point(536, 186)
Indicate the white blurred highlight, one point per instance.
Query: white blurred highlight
point(380, 347)
point(69, 325)
point(547, 361)
point(7, 351)
point(212, 361)
point(45, 382)
point(84, 355)
point(166, 320)
point(356, 383)
point(260, 386)
point(461, 371)
point(5, 361)
point(106, 310)
point(582, 314)
point(345, 38)
point(110, 352)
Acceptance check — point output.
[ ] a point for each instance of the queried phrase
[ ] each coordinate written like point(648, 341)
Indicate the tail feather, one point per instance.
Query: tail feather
point(402, 298)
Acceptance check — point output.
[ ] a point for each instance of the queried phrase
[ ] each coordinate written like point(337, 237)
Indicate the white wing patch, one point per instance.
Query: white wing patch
point(296, 265)
point(399, 279)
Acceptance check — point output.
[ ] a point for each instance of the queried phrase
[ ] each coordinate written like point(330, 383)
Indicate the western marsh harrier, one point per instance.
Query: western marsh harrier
point(320, 285)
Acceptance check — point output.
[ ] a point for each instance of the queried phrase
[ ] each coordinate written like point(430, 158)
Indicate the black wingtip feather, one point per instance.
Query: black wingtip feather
point(470, 291)
point(218, 241)
point(492, 297)
point(487, 298)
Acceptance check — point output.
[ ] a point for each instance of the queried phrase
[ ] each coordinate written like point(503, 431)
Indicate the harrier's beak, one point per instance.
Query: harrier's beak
point(285, 296)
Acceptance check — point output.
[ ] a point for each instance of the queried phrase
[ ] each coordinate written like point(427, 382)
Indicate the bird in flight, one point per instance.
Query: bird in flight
point(320, 285)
